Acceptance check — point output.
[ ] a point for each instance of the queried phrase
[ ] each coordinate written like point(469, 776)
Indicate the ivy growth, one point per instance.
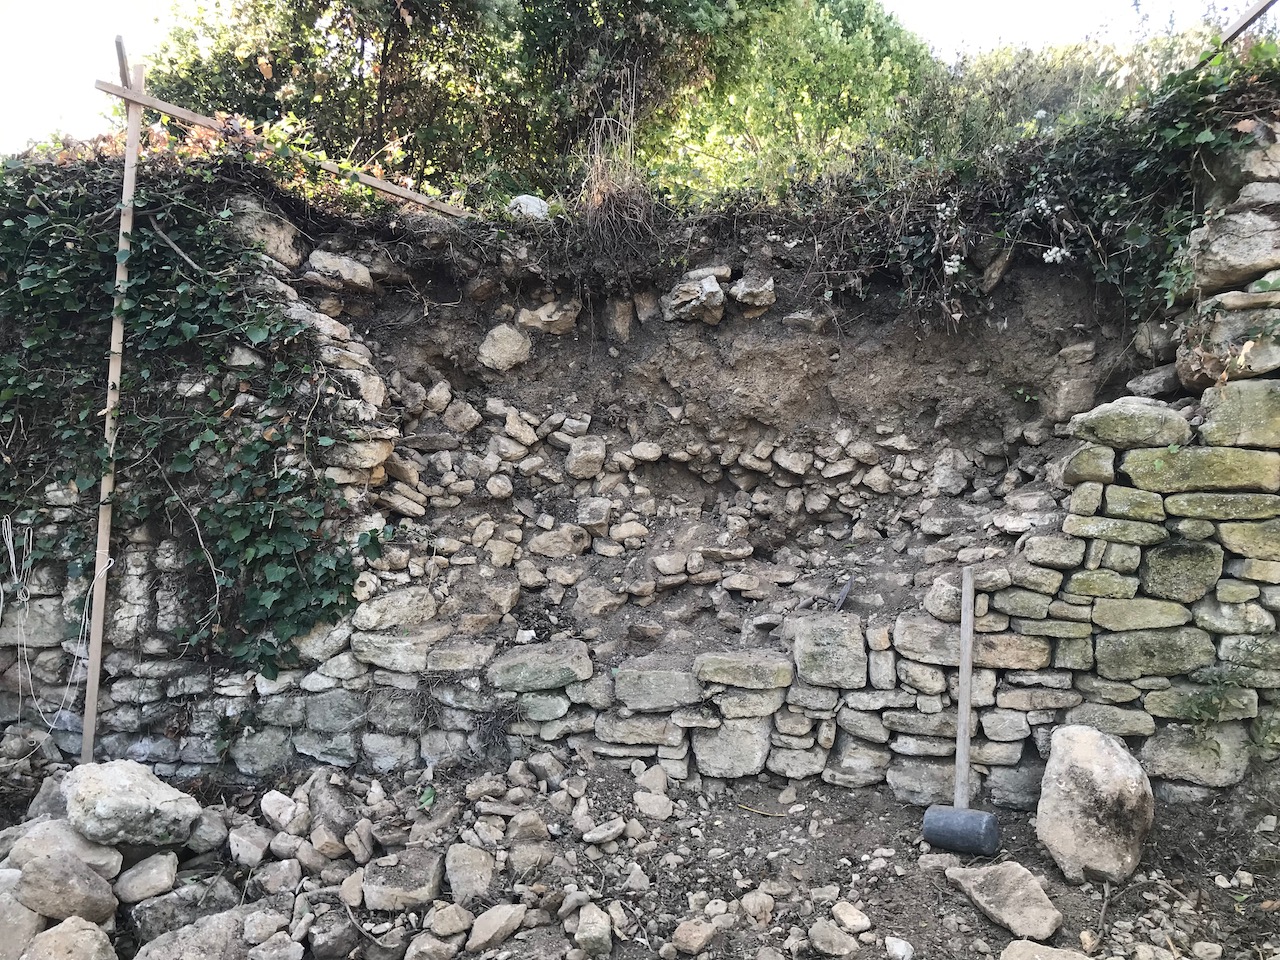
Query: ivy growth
point(218, 460)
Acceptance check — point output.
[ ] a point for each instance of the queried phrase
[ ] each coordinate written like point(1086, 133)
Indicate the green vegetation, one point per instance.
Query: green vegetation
point(222, 458)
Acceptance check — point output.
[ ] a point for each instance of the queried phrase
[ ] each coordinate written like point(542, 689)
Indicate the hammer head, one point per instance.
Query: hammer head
point(965, 831)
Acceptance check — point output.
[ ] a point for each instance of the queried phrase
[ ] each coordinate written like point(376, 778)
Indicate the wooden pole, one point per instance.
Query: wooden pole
point(1247, 20)
point(102, 557)
point(136, 96)
point(965, 692)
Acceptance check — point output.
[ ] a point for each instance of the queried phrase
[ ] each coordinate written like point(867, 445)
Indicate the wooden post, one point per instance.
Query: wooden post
point(1247, 20)
point(102, 557)
point(964, 695)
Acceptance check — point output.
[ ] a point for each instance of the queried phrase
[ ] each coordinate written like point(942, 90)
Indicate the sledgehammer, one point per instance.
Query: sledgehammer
point(956, 827)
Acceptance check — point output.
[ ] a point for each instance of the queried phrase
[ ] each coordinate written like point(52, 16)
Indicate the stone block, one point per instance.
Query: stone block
point(737, 748)
point(1131, 654)
point(1242, 414)
point(1092, 463)
point(829, 649)
point(1117, 721)
point(1181, 570)
point(1140, 614)
point(1051, 628)
point(1126, 503)
point(927, 640)
point(1102, 583)
point(656, 683)
point(1118, 531)
point(1258, 540)
point(1214, 757)
point(855, 763)
point(752, 669)
point(1232, 618)
point(1192, 469)
point(796, 764)
point(1223, 506)
point(1131, 422)
point(1059, 551)
point(1020, 602)
point(640, 728)
point(1190, 701)
point(736, 702)
point(541, 666)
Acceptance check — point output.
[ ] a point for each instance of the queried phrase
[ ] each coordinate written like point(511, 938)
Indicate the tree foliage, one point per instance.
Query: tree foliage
point(462, 86)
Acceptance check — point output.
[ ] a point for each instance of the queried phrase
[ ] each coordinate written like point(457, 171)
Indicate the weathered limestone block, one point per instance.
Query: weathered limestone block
point(1242, 414)
point(1036, 698)
point(348, 272)
point(411, 882)
point(930, 641)
point(1141, 614)
point(796, 764)
point(1131, 654)
point(855, 763)
point(640, 728)
point(1126, 503)
point(124, 802)
point(925, 781)
point(1101, 583)
point(1009, 894)
point(1216, 757)
point(829, 649)
point(1224, 506)
point(736, 748)
point(257, 226)
point(1232, 618)
point(1096, 806)
point(1190, 701)
point(1090, 464)
point(1020, 602)
point(586, 457)
point(656, 683)
point(1214, 349)
point(1131, 422)
point(735, 702)
point(1258, 540)
point(37, 623)
point(698, 296)
point(541, 666)
point(554, 318)
point(401, 652)
point(752, 669)
point(565, 540)
point(1180, 570)
point(1192, 469)
point(1059, 551)
point(504, 347)
point(1234, 249)
point(1118, 721)
point(405, 607)
point(1117, 531)
point(1051, 628)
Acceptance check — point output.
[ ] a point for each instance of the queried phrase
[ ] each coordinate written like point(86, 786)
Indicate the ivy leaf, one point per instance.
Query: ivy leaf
point(257, 333)
point(275, 573)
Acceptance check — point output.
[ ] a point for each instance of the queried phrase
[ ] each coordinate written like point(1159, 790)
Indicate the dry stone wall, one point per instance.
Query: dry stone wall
point(668, 583)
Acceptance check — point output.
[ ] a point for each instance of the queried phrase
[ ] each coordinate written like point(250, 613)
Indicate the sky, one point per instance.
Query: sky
point(57, 48)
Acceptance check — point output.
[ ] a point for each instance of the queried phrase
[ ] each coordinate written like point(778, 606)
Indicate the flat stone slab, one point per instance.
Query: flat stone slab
point(1009, 894)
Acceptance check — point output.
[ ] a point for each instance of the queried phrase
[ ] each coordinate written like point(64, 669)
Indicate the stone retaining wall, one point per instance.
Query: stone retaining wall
point(666, 587)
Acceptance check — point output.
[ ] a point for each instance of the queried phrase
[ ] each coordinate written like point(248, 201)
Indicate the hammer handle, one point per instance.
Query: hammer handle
point(965, 693)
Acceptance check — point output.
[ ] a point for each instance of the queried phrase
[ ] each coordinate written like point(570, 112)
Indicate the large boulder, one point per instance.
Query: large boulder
point(1234, 249)
point(1096, 805)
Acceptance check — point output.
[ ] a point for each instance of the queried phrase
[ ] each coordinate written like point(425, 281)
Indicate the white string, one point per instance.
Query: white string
point(20, 578)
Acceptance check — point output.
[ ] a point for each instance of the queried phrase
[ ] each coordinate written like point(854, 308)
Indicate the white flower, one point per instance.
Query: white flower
point(1041, 114)
point(951, 265)
point(1056, 255)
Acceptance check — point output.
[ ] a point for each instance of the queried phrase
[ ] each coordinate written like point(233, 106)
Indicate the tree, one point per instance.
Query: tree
point(817, 75)
point(424, 86)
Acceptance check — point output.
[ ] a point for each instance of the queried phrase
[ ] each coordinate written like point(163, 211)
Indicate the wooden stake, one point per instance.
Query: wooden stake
point(136, 96)
point(964, 695)
point(1247, 20)
point(102, 556)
